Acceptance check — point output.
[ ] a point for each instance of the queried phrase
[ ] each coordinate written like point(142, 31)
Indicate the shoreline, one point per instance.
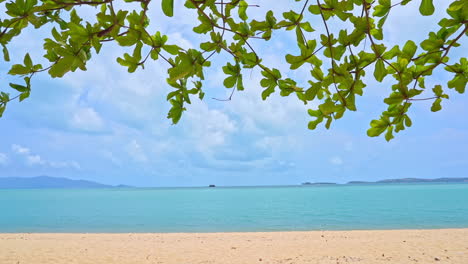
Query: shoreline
point(230, 232)
point(356, 246)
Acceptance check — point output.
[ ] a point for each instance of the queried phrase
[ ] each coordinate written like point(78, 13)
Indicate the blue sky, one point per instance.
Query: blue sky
point(110, 126)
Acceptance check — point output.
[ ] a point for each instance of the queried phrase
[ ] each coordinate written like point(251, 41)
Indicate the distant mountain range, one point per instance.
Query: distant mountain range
point(413, 180)
point(318, 183)
point(404, 180)
point(45, 182)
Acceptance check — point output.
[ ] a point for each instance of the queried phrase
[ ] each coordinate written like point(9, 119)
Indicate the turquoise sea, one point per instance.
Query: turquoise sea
point(226, 209)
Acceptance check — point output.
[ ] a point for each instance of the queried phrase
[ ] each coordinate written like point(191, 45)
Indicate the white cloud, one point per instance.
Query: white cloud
point(278, 113)
point(398, 30)
point(179, 40)
point(209, 128)
point(136, 151)
point(122, 97)
point(3, 159)
point(36, 160)
point(277, 144)
point(87, 119)
point(19, 149)
point(336, 160)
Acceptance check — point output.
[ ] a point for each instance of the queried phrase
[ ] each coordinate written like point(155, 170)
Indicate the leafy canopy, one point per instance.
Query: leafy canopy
point(338, 60)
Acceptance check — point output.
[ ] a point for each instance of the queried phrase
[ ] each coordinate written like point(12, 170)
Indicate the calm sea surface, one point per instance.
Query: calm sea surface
point(343, 207)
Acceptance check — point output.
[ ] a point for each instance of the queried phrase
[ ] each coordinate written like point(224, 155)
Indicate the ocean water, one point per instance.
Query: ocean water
point(345, 207)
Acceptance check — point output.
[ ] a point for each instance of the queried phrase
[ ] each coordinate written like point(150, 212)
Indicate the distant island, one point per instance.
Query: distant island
point(414, 180)
point(403, 180)
point(46, 182)
point(317, 183)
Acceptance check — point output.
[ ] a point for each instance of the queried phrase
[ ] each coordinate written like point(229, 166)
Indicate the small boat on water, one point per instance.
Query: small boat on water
point(211, 185)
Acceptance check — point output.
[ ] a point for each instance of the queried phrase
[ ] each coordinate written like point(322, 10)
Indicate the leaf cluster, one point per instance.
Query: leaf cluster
point(338, 60)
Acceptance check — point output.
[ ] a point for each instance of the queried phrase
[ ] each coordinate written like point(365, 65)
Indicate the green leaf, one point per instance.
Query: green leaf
point(410, 48)
point(230, 81)
point(19, 88)
point(314, 9)
point(208, 46)
point(179, 71)
point(327, 108)
point(389, 135)
point(171, 49)
point(312, 92)
point(395, 98)
point(128, 39)
point(437, 90)
point(168, 7)
point(299, 37)
point(313, 124)
point(2, 109)
point(172, 94)
point(375, 131)
point(379, 123)
point(24, 96)
point(436, 105)
point(458, 82)
point(18, 69)
point(408, 122)
point(314, 113)
point(6, 55)
point(240, 84)
point(351, 102)
point(430, 44)
point(317, 73)
point(242, 10)
point(27, 61)
point(328, 124)
point(395, 51)
point(426, 8)
point(445, 22)
point(63, 66)
point(267, 92)
point(380, 10)
point(307, 27)
point(380, 72)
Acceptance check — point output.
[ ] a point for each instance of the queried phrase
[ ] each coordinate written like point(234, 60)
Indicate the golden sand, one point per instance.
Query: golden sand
point(391, 246)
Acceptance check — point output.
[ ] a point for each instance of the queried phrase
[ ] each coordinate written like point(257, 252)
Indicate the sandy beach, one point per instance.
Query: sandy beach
point(390, 246)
